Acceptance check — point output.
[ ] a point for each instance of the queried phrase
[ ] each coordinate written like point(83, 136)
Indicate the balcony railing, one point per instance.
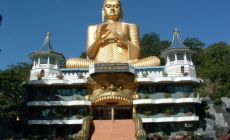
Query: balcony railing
point(162, 115)
point(55, 122)
point(165, 118)
point(59, 103)
point(47, 98)
point(50, 115)
point(161, 95)
point(59, 77)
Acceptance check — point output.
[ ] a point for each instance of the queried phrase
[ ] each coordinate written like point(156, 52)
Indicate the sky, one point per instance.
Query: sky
point(25, 23)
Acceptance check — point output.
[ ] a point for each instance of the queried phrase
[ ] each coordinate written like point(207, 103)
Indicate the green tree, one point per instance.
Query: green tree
point(196, 45)
point(151, 45)
point(193, 43)
point(83, 55)
point(214, 68)
point(215, 63)
point(11, 81)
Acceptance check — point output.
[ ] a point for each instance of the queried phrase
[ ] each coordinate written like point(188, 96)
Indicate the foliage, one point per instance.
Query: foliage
point(214, 68)
point(146, 97)
point(11, 81)
point(151, 45)
point(194, 43)
point(200, 89)
point(168, 111)
point(215, 63)
point(147, 113)
point(167, 95)
point(83, 55)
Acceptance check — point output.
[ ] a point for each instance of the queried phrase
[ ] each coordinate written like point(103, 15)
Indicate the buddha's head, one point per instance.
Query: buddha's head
point(112, 10)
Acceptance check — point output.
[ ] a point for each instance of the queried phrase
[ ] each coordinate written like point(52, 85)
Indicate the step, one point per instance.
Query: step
point(113, 130)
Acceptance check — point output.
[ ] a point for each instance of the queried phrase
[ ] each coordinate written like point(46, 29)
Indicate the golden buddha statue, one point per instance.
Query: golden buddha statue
point(112, 41)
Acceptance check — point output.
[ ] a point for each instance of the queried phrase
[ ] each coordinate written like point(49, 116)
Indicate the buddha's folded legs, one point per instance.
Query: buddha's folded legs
point(148, 61)
point(79, 63)
point(84, 63)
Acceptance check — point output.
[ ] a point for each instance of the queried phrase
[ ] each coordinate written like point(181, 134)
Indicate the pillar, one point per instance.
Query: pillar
point(48, 60)
point(134, 111)
point(112, 112)
point(168, 60)
point(91, 111)
point(185, 57)
point(175, 56)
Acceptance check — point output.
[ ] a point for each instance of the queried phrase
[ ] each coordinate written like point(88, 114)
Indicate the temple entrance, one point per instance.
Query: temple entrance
point(112, 112)
point(102, 113)
point(123, 112)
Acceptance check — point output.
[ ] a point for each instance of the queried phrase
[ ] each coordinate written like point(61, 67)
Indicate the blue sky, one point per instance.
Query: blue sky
point(25, 23)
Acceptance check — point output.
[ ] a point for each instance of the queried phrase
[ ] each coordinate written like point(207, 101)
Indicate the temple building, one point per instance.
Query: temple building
point(57, 97)
point(113, 94)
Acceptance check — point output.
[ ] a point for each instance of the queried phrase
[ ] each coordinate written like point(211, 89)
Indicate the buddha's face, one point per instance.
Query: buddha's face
point(112, 9)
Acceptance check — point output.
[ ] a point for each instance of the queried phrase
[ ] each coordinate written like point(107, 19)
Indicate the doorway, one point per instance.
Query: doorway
point(112, 112)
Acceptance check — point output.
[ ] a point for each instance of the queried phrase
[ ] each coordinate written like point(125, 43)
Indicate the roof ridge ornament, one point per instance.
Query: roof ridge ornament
point(176, 42)
point(47, 45)
point(48, 34)
point(175, 30)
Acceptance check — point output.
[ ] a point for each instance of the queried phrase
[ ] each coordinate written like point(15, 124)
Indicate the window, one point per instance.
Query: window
point(52, 60)
point(180, 56)
point(171, 57)
point(182, 69)
point(43, 60)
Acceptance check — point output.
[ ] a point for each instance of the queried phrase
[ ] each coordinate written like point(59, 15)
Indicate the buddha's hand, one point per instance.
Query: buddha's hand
point(104, 36)
point(109, 36)
point(114, 37)
point(122, 41)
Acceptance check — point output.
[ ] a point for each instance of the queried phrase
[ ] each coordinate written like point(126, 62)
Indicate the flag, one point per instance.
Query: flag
point(0, 19)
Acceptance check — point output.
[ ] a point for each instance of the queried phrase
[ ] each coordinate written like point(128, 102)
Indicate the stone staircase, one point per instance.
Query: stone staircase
point(113, 130)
